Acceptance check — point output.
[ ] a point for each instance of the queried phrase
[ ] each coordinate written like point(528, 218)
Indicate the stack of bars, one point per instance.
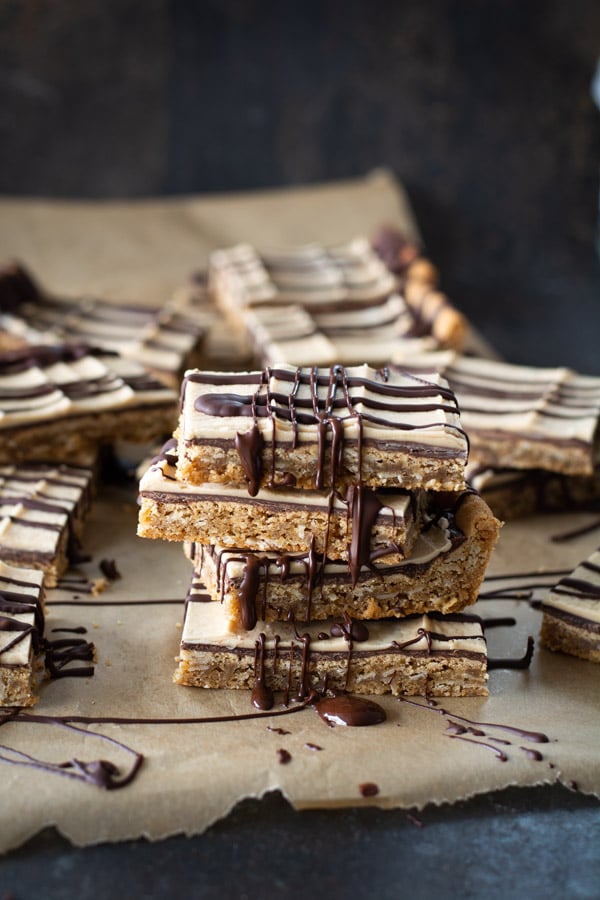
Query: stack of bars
point(334, 542)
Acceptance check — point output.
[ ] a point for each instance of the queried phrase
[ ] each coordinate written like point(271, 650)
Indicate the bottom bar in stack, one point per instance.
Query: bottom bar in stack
point(430, 655)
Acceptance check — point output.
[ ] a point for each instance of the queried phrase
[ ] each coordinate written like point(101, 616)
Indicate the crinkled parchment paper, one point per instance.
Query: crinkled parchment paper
point(193, 774)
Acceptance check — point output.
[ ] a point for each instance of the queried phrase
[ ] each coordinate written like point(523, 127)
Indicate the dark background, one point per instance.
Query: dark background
point(482, 108)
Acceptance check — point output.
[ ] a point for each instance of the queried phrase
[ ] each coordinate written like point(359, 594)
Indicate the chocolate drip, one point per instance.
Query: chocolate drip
point(363, 509)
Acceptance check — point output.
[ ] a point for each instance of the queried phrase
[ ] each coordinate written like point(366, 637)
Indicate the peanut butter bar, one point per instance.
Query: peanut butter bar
point(165, 340)
point(347, 292)
point(42, 509)
point(430, 655)
point(363, 526)
point(21, 633)
point(60, 403)
point(519, 416)
point(571, 612)
point(442, 572)
point(513, 493)
point(320, 428)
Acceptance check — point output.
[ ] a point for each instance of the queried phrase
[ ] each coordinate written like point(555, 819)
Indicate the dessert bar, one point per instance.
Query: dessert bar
point(442, 572)
point(165, 340)
point(365, 525)
point(21, 633)
point(571, 612)
point(513, 493)
point(59, 403)
point(520, 416)
point(428, 655)
point(320, 428)
point(42, 509)
point(348, 295)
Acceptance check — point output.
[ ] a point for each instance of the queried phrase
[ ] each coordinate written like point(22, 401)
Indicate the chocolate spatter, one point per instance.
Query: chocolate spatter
point(522, 662)
point(368, 789)
point(284, 756)
point(280, 731)
point(310, 746)
point(345, 709)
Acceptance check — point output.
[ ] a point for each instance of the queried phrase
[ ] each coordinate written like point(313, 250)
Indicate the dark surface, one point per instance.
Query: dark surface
point(530, 843)
point(484, 111)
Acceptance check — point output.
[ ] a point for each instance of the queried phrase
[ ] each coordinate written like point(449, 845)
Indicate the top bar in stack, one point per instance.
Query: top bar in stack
point(320, 429)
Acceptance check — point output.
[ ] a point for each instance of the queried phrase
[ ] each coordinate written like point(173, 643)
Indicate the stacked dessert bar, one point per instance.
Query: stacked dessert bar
point(320, 305)
point(332, 536)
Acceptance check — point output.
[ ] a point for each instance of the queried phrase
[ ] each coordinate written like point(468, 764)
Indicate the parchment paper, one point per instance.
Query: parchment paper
point(194, 774)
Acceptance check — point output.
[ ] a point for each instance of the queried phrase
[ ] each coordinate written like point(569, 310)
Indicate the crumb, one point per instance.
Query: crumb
point(177, 624)
point(95, 625)
point(107, 662)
